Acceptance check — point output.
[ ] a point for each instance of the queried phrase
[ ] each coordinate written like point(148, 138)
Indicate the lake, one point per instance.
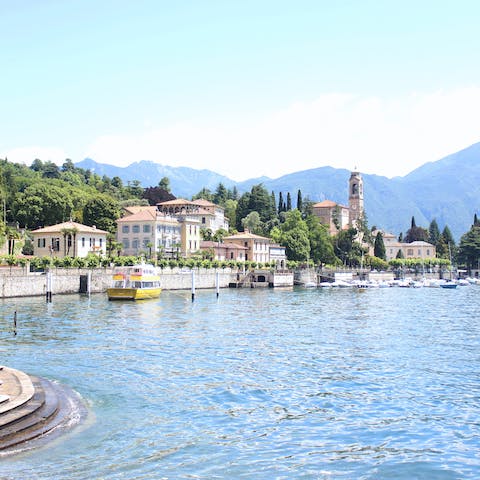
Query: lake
point(257, 384)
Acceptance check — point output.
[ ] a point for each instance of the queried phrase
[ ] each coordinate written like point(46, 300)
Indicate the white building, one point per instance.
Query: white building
point(69, 239)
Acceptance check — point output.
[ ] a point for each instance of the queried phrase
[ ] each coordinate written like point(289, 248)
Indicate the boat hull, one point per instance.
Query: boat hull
point(133, 293)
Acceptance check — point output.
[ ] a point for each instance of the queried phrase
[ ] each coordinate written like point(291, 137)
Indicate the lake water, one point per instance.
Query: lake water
point(257, 384)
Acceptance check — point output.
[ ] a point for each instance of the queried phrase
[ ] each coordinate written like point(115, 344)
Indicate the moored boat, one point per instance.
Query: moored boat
point(137, 282)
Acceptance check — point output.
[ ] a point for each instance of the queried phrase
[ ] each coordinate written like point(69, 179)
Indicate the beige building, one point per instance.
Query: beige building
point(409, 250)
point(332, 214)
point(257, 247)
point(225, 250)
point(339, 217)
point(148, 230)
point(207, 213)
point(69, 239)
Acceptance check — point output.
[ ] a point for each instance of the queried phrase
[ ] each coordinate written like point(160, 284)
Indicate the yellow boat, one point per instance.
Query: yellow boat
point(137, 282)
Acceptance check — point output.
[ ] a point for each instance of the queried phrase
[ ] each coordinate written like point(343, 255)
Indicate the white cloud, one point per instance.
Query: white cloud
point(27, 154)
point(385, 136)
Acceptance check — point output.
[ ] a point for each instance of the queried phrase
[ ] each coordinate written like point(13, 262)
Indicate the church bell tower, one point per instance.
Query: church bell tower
point(355, 198)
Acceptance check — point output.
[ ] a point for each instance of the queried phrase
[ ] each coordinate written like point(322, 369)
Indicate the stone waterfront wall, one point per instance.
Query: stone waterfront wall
point(19, 282)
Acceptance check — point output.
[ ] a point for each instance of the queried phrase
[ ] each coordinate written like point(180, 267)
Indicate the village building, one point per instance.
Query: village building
point(209, 215)
point(149, 231)
point(69, 239)
point(224, 250)
point(339, 217)
point(418, 249)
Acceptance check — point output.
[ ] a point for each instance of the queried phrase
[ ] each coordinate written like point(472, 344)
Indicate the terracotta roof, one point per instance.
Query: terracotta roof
point(328, 203)
point(147, 216)
point(205, 203)
point(139, 208)
point(69, 225)
point(177, 201)
point(245, 236)
point(140, 216)
point(212, 244)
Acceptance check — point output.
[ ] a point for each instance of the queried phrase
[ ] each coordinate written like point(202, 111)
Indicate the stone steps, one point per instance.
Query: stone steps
point(33, 407)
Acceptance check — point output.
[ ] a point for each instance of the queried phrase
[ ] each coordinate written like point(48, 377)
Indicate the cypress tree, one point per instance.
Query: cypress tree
point(289, 202)
point(280, 202)
point(299, 200)
point(379, 247)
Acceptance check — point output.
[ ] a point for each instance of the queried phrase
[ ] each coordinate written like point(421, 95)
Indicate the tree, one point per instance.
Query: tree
point(469, 248)
point(294, 236)
point(280, 202)
point(204, 193)
point(231, 211)
point(102, 211)
point(135, 189)
point(379, 247)
point(433, 233)
point(415, 233)
point(156, 195)
point(43, 204)
point(448, 240)
point(299, 200)
point(164, 184)
point(346, 248)
point(289, 202)
point(321, 247)
point(252, 222)
point(221, 195)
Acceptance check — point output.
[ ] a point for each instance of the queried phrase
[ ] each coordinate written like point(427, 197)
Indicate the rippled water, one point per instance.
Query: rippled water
point(258, 384)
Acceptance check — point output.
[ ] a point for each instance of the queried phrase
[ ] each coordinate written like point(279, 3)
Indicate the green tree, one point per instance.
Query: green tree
point(469, 248)
point(280, 203)
point(299, 201)
point(221, 195)
point(433, 232)
point(289, 202)
point(164, 184)
point(294, 236)
point(379, 247)
point(102, 211)
point(321, 247)
point(43, 204)
point(231, 211)
point(204, 193)
point(415, 233)
point(252, 222)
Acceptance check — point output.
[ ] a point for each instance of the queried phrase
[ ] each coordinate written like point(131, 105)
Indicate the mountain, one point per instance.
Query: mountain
point(184, 181)
point(447, 190)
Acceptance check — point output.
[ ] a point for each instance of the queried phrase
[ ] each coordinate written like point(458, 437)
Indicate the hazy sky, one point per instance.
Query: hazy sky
point(244, 88)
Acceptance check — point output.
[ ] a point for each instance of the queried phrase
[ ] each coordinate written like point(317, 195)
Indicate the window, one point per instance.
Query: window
point(428, 251)
point(136, 228)
point(410, 252)
point(203, 220)
point(83, 241)
point(100, 241)
point(231, 255)
point(125, 228)
point(126, 243)
point(146, 241)
point(419, 252)
point(135, 243)
point(146, 229)
point(41, 243)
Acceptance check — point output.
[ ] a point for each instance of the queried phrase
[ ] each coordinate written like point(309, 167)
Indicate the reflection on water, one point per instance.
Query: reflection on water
point(258, 383)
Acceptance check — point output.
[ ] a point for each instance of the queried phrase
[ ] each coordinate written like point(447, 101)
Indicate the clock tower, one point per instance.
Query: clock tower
point(355, 197)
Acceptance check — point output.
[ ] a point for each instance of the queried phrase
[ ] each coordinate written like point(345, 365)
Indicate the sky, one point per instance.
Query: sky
point(244, 88)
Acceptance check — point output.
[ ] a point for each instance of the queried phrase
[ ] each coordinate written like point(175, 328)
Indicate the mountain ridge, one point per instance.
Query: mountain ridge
point(447, 189)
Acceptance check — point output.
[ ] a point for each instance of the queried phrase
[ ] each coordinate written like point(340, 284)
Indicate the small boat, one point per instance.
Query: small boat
point(448, 284)
point(310, 285)
point(137, 282)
